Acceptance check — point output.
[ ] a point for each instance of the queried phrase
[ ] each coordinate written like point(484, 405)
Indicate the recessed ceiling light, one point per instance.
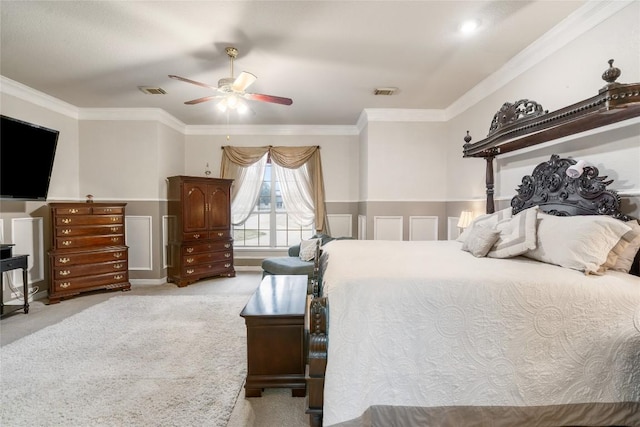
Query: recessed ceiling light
point(469, 26)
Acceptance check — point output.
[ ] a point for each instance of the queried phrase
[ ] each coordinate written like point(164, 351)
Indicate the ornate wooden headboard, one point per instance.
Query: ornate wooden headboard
point(525, 123)
point(556, 193)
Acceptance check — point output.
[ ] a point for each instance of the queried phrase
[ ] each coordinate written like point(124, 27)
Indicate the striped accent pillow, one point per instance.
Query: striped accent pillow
point(487, 221)
point(517, 234)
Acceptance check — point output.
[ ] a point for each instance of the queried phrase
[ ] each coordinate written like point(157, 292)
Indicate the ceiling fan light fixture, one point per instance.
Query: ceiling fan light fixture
point(242, 107)
point(222, 105)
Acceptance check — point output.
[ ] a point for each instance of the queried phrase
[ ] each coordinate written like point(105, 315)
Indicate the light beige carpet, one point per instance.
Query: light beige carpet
point(131, 360)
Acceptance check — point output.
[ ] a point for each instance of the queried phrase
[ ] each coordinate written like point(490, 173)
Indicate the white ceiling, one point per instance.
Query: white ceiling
point(328, 56)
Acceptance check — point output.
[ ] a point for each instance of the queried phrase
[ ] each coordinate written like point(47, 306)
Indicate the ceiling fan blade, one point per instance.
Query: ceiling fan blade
point(203, 99)
point(243, 81)
point(268, 98)
point(192, 82)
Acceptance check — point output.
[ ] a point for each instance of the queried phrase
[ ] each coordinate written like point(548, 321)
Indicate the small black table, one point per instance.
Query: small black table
point(8, 264)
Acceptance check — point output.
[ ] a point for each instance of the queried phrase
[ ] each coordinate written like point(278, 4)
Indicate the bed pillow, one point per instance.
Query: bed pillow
point(517, 234)
point(625, 251)
point(480, 240)
point(487, 221)
point(579, 242)
point(308, 249)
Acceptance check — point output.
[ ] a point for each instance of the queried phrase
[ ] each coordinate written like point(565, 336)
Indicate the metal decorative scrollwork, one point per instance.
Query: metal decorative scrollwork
point(558, 194)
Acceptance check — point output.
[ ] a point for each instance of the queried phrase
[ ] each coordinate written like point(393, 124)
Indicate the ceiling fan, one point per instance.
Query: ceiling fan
point(232, 91)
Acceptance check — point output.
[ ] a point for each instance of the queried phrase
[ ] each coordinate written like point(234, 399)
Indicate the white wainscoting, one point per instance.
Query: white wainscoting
point(340, 225)
point(452, 228)
point(423, 228)
point(139, 238)
point(168, 227)
point(387, 227)
point(28, 236)
point(362, 227)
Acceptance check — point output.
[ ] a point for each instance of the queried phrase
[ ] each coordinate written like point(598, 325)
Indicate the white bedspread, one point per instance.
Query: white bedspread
point(425, 324)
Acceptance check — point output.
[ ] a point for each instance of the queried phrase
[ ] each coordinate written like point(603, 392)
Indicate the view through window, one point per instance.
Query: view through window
point(269, 225)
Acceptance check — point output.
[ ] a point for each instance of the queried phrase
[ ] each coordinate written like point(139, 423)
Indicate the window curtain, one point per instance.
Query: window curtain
point(309, 180)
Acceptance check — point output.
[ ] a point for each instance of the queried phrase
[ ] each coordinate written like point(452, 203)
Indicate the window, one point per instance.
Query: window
point(269, 225)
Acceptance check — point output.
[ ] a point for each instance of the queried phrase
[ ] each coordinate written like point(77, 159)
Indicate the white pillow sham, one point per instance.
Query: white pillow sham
point(308, 249)
point(579, 242)
point(480, 240)
point(517, 234)
point(626, 250)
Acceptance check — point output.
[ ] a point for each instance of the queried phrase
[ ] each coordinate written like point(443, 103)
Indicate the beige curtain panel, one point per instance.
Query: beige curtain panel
point(234, 158)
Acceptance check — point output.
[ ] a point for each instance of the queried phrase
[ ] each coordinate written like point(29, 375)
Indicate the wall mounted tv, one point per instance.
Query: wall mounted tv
point(27, 151)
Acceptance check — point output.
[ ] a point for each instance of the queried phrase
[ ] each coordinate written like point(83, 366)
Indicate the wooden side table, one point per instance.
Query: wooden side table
point(8, 264)
point(274, 316)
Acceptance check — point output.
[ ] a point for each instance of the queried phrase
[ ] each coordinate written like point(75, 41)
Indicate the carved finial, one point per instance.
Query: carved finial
point(611, 74)
point(467, 139)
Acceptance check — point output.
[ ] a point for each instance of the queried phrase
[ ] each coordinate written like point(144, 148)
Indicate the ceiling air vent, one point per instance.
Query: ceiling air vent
point(149, 90)
point(385, 91)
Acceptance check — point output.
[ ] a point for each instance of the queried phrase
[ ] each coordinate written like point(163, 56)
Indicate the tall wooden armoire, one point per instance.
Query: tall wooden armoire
point(201, 244)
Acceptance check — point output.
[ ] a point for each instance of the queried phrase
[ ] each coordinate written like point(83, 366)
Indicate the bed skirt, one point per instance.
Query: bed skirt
point(597, 414)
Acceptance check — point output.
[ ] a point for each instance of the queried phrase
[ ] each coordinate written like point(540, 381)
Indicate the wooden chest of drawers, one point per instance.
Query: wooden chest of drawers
point(201, 244)
point(88, 249)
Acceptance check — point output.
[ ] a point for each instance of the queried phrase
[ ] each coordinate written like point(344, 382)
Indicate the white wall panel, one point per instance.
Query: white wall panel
point(362, 227)
point(423, 228)
point(452, 228)
point(168, 227)
point(138, 234)
point(387, 228)
point(340, 225)
point(27, 235)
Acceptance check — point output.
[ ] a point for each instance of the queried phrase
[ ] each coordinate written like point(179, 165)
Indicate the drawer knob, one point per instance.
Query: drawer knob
point(66, 231)
point(117, 266)
point(189, 250)
point(118, 277)
point(73, 211)
point(227, 265)
point(227, 255)
point(66, 243)
point(190, 271)
point(114, 229)
point(189, 260)
point(117, 255)
point(63, 260)
point(65, 273)
point(114, 219)
point(115, 239)
point(65, 285)
point(227, 245)
point(220, 234)
point(196, 236)
point(66, 220)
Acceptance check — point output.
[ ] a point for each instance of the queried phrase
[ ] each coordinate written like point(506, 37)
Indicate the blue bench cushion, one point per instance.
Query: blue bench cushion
point(287, 265)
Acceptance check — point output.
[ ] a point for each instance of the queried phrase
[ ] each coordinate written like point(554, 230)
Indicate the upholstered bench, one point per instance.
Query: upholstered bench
point(294, 264)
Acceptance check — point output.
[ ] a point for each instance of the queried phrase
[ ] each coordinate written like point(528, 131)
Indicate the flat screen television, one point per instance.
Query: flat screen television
point(27, 151)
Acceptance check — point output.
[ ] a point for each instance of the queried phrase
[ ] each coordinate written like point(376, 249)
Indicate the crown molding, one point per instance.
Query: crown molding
point(404, 115)
point(25, 93)
point(133, 114)
point(270, 130)
point(576, 24)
